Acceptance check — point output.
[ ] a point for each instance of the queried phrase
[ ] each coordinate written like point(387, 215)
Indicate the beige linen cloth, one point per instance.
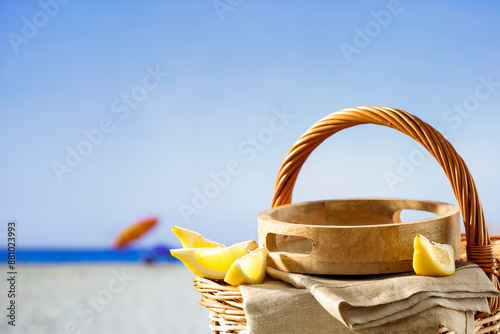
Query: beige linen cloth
point(397, 303)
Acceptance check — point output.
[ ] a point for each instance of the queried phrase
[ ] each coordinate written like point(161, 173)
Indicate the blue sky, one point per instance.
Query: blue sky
point(177, 91)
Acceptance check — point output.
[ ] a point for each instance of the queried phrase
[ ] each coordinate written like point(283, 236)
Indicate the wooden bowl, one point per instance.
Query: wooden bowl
point(352, 236)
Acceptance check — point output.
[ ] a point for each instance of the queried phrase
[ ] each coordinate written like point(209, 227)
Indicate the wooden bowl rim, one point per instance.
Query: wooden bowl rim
point(450, 210)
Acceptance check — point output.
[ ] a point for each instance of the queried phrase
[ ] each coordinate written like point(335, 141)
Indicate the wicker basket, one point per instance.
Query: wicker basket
point(225, 303)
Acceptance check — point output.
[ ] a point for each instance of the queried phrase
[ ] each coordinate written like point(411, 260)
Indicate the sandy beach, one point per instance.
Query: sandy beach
point(105, 298)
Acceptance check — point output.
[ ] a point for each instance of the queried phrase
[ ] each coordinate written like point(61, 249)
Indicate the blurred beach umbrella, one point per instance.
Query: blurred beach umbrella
point(133, 232)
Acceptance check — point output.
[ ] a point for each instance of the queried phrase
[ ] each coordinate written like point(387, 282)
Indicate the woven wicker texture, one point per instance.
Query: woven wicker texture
point(225, 302)
point(479, 248)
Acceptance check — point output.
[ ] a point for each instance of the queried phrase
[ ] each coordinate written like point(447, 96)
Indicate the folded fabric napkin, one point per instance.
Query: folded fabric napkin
point(397, 303)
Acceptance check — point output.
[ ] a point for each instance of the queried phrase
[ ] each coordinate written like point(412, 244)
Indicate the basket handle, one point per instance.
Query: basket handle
point(479, 247)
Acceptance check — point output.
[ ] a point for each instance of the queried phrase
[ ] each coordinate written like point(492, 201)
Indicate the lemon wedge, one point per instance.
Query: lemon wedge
point(192, 239)
point(212, 262)
point(433, 259)
point(250, 269)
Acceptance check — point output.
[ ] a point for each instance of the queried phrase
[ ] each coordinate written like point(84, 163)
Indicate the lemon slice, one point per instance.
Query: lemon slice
point(192, 239)
point(433, 259)
point(212, 262)
point(250, 269)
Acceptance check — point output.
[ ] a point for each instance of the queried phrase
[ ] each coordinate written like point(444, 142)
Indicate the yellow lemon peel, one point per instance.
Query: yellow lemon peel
point(250, 269)
point(431, 258)
point(212, 262)
point(192, 239)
